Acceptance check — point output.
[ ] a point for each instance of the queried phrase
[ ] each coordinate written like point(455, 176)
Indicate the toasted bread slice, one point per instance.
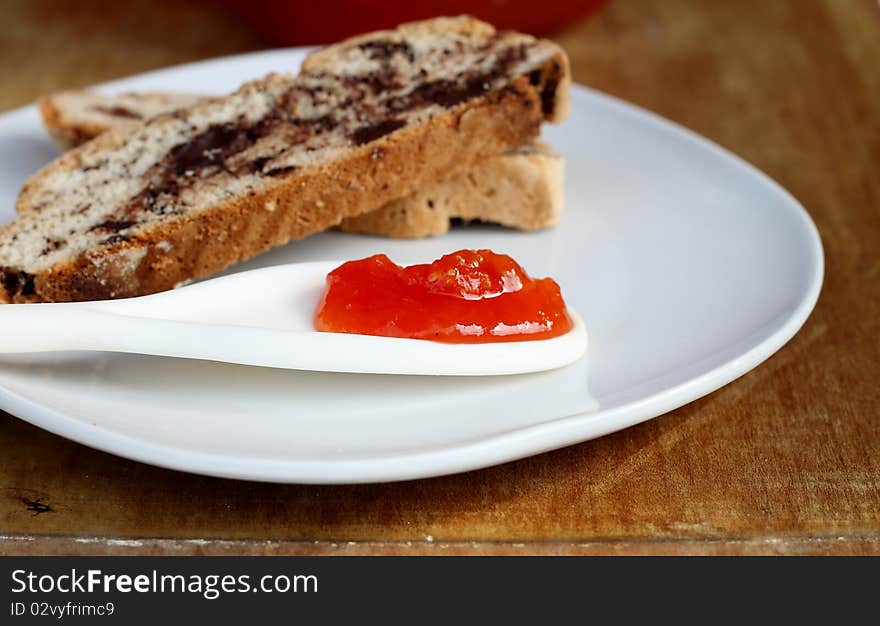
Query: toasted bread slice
point(520, 189)
point(185, 194)
point(76, 116)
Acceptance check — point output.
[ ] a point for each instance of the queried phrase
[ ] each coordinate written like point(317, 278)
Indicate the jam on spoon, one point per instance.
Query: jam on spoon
point(469, 296)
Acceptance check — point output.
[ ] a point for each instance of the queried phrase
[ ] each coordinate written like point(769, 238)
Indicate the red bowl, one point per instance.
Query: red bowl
point(294, 22)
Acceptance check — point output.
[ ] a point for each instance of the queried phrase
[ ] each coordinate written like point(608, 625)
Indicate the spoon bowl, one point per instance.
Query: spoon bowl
point(263, 317)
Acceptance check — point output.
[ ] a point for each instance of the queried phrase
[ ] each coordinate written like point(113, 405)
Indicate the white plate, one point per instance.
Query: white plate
point(689, 267)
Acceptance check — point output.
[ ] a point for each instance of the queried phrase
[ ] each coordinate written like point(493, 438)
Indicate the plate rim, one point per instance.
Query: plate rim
point(494, 449)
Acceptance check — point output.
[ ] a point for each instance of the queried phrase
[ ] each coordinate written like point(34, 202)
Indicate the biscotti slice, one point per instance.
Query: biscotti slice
point(521, 189)
point(185, 194)
point(76, 116)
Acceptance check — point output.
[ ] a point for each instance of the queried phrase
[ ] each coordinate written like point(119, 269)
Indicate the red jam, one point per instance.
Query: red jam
point(469, 296)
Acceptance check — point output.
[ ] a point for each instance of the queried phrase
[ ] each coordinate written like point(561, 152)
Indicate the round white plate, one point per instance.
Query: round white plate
point(689, 267)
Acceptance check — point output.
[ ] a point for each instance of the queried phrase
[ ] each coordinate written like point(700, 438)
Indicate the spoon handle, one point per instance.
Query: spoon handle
point(30, 328)
point(50, 327)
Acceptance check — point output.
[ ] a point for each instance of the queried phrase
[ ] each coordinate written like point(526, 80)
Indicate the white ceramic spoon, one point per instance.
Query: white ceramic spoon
point(263, 317)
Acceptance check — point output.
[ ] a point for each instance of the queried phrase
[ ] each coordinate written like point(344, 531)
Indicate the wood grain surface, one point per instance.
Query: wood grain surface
point(785, 460)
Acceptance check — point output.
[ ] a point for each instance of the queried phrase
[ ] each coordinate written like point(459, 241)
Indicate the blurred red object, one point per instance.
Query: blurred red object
point(295, 22)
